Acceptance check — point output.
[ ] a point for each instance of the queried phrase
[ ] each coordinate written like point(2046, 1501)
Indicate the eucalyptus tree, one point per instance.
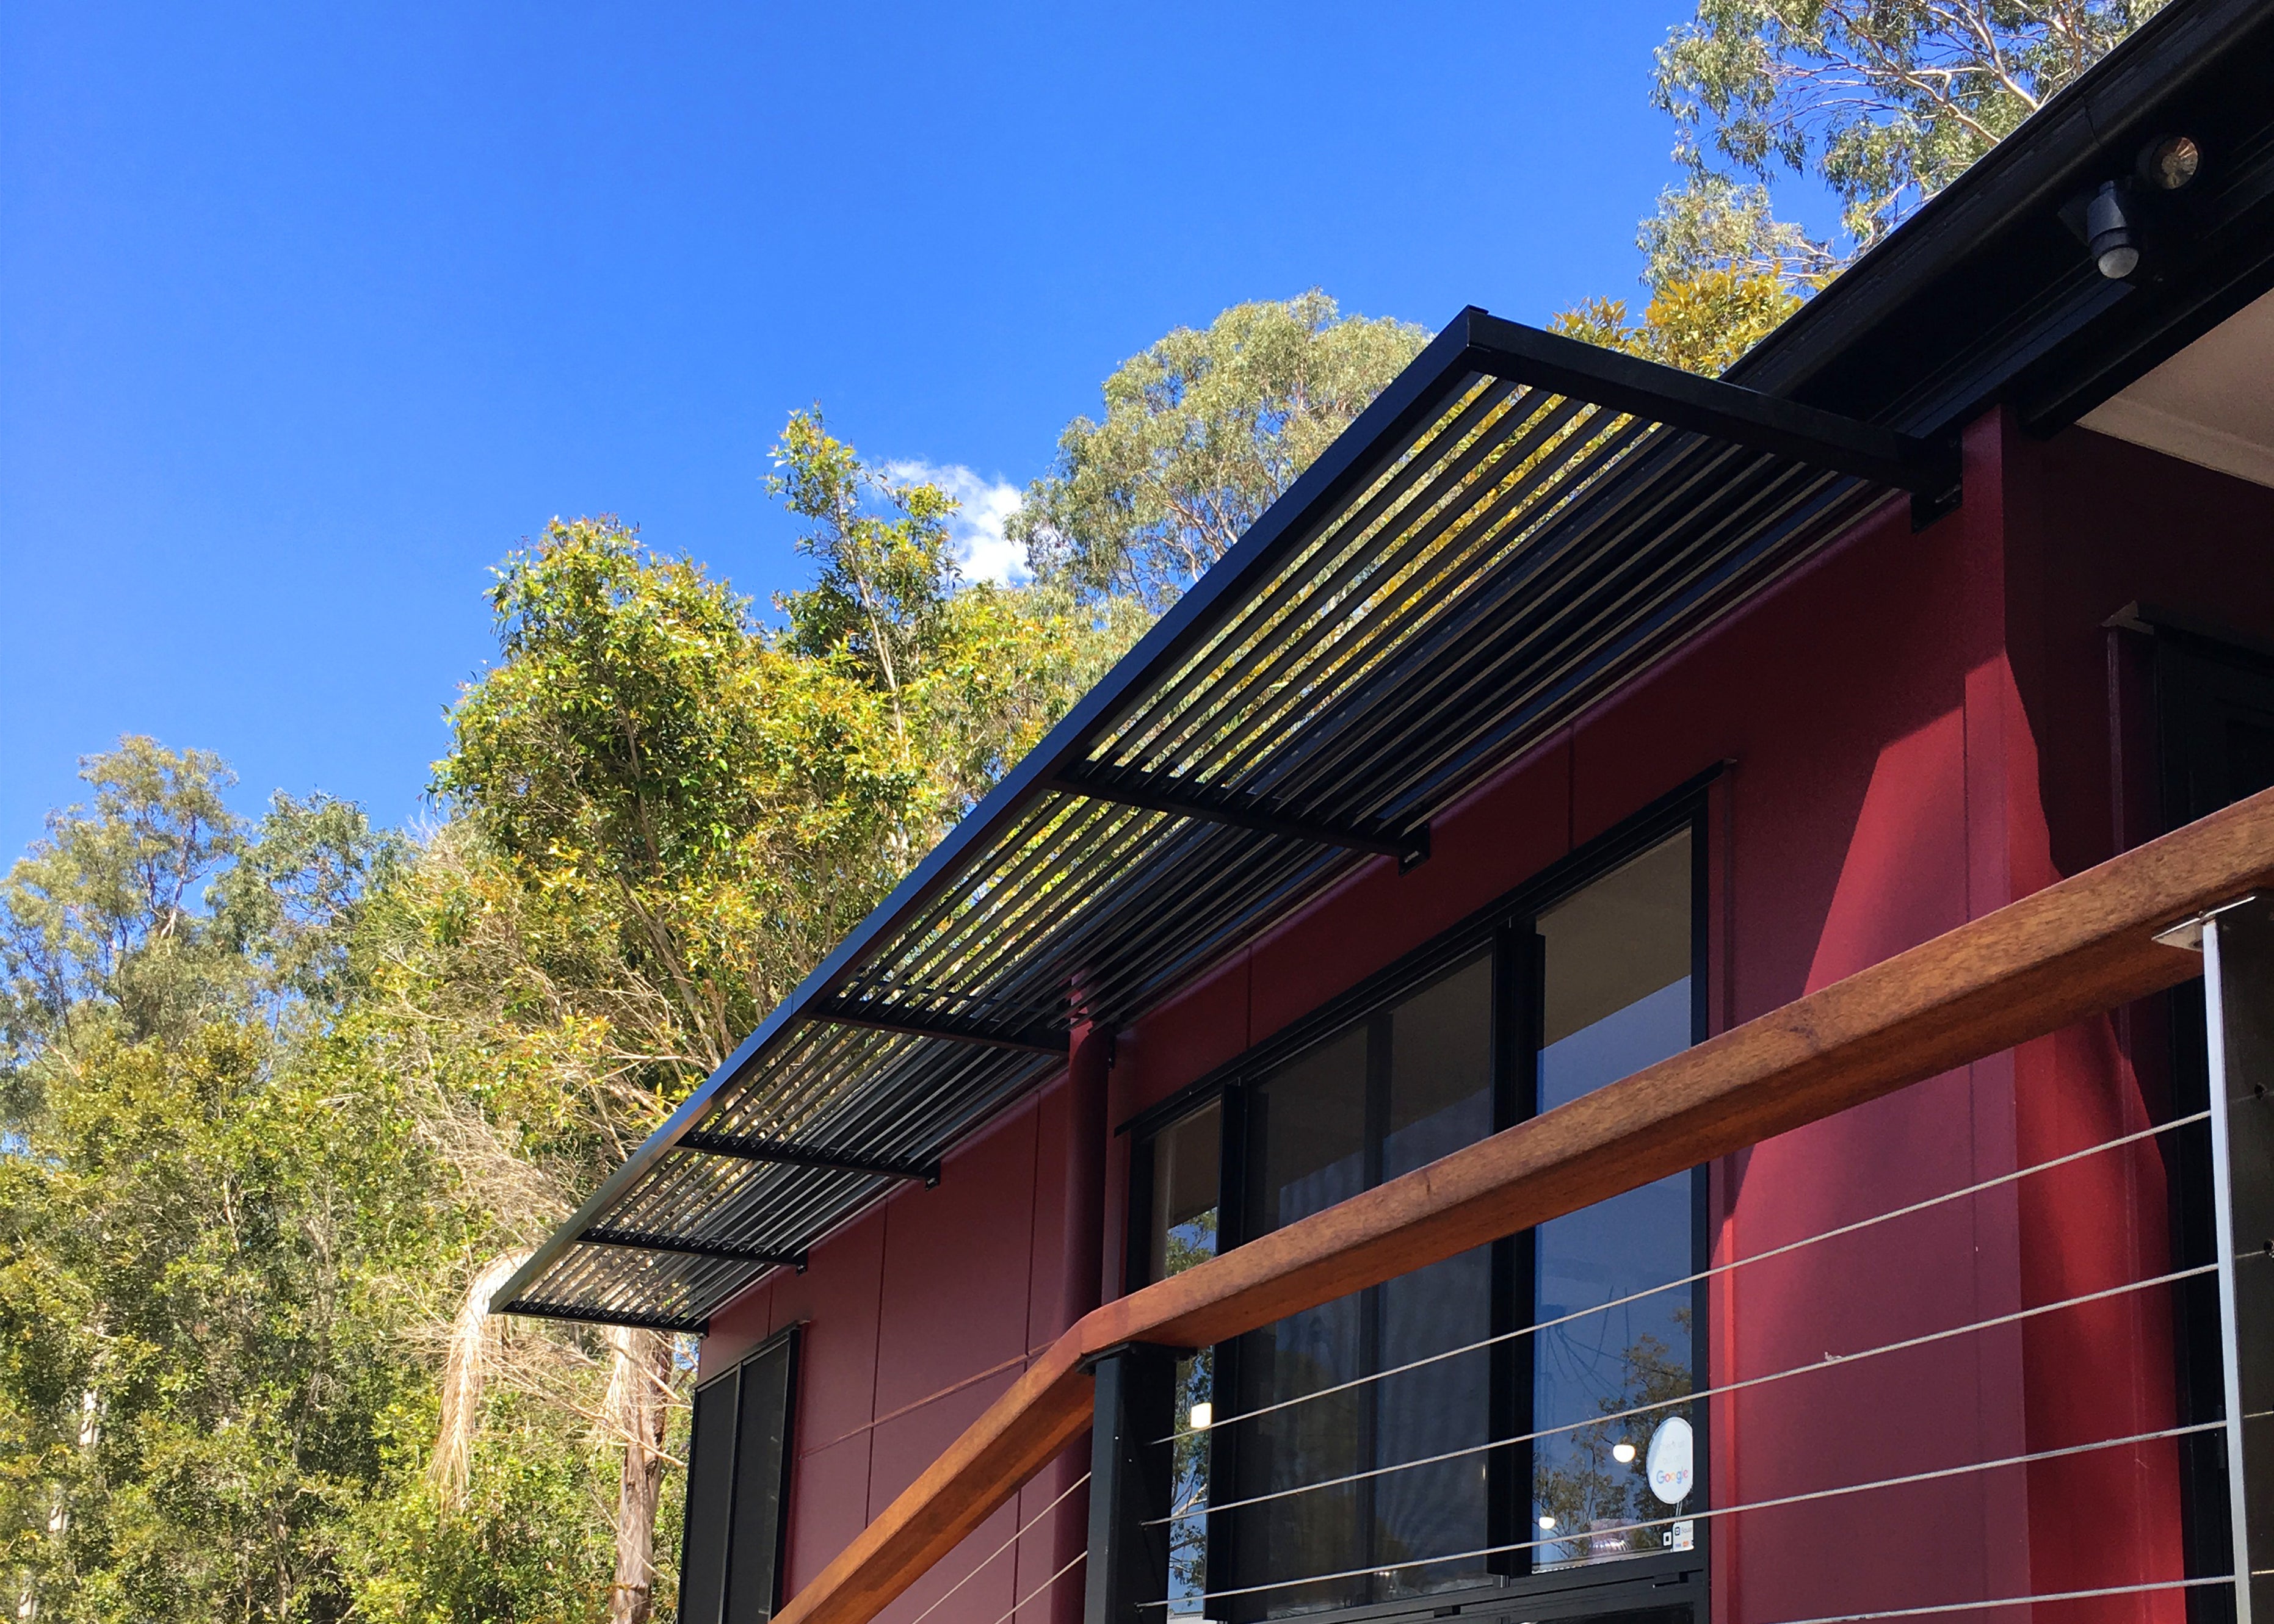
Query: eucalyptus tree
point(204, 1228)
point(1203, 431)
point(664, 810)
point(1886, 101)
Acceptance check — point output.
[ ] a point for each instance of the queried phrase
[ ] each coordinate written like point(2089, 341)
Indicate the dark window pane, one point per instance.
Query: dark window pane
point(760, 1434)
point(2249, 758)
point(1311, 1150)
point(1386, 1096)
point(1184, 1192)
point(1440, 1100)
point(1616, 998)
point(1440, 1070)
point(1306, 1129)
point(710, 1490)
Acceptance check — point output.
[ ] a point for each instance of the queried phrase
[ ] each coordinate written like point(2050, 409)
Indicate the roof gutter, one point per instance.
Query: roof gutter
point(2017, 185)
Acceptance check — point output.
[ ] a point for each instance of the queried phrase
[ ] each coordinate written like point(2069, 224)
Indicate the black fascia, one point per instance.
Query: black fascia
point(643, 1240)
point(1031, 1039)
point(1244, 813)
point(708, 1144)
point(1473, 342)
point(1905, 334)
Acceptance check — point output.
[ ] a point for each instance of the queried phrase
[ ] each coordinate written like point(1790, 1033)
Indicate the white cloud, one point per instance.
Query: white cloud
point(977, 526)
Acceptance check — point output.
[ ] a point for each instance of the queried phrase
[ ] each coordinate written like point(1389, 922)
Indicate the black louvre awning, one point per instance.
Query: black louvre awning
point(1516, 526)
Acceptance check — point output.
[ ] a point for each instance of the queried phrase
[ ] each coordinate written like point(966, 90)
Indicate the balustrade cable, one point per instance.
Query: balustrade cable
point(1715, 1272)
point(1020, 1532)
point(1830, 1361)
point(1079, 1557)
point(1709, 1512)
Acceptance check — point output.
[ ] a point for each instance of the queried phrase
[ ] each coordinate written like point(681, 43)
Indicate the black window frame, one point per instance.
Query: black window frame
point(1650, 1581)
point(786, 1342)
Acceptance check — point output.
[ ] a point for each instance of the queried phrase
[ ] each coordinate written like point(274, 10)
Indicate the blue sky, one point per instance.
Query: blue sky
point(308, 314)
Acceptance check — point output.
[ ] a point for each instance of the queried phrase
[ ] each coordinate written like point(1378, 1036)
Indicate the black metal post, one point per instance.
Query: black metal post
point(1130, 1480)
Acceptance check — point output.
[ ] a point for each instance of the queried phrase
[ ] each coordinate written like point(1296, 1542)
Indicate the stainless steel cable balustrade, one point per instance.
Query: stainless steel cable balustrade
point(1018, 1534)
point(1719, 1270)
point(1199, 1510)
point(1043, 1588)
point(1517, 526)
point(1830, 1361)
point(1706, 1513)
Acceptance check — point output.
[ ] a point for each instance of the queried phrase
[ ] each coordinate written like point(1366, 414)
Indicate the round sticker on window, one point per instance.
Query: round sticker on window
point(1671, 1461)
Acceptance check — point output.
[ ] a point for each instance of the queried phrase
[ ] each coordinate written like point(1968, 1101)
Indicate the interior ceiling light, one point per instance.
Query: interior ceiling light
point(2108, 234)
point(2170, 162)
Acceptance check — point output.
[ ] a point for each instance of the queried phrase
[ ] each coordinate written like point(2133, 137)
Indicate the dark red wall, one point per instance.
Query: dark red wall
point(1920, 729)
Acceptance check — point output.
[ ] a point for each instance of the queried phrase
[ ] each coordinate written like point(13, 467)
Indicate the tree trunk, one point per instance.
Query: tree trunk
point(639, 1385)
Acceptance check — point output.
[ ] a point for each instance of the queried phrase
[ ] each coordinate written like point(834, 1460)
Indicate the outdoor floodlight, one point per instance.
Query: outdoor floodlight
point(2170, 162)
point(2109, 235)
point(2117, 221)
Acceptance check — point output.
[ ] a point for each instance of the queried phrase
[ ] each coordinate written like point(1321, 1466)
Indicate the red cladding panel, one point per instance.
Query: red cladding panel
point(954, 1295)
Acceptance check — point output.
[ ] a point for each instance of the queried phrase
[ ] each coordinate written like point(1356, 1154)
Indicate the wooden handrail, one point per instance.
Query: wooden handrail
point(2078, 947)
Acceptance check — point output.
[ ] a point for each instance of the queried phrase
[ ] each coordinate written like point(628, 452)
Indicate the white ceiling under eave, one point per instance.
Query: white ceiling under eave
point(2211, 404)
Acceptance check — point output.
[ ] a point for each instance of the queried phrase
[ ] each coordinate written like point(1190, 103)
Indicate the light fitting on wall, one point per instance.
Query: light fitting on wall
point(2108, 232)
point(2169, 161)
point(2113, 220)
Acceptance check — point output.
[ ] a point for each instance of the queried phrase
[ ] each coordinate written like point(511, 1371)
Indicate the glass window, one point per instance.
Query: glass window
point(729, 1555)
point(1380, 1098)
point(1616, 997)
point(1350, 1480)
point(1182, 1183)
point(1183, 1156)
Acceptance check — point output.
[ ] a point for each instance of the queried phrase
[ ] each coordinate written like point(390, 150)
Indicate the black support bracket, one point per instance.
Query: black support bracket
point(1032, 1039)
point(642, 1240)
point(1409, 846)
point(1712, 406)
point(797, 1155)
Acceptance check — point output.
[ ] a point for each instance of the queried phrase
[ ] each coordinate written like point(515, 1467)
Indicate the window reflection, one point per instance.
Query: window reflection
point(1605, 977)
point(1381, 1099)
point(1185, 1179)
point(1616, 997)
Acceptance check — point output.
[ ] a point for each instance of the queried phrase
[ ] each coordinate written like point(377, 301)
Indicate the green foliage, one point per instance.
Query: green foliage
point(1701, 323)
point(207, 1233)
point(508, 1553)
point(1202, 432)
point(101, 917)
point(667, 812)
point(1713, 226)
point(663, 812)
point(1887, 101)
point(274, 1094)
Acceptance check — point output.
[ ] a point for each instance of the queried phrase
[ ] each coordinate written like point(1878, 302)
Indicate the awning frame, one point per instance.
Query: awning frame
point(1475, 342)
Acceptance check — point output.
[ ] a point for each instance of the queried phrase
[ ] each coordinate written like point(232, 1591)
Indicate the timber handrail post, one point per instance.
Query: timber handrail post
point(1132, 1472)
